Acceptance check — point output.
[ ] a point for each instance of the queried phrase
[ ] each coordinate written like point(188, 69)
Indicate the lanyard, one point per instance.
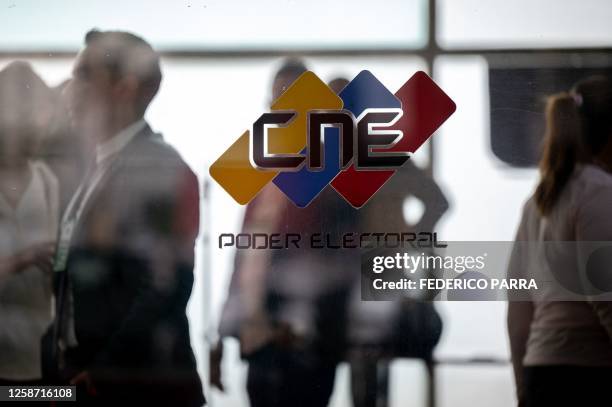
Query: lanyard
point(73, 214)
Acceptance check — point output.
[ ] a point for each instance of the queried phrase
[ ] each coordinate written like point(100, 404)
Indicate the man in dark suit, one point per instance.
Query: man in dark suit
point(124, 261)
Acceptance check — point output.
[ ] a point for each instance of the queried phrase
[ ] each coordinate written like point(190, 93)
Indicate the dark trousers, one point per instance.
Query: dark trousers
point(369, 377)
point(280, 377)
point(561, 386)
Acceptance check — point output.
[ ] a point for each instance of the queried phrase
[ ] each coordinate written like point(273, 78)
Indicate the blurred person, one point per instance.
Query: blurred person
point(562, 351)
point(287, 307)
point(337, 84)
point(62, 149)
point(309, 309)
point(379, 331)
point(29, 211)
point(125, 254)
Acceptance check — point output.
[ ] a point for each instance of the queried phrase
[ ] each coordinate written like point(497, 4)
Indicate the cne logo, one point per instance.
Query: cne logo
point(354, 141)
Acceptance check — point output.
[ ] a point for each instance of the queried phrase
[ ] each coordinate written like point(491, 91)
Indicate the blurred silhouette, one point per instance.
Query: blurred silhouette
point(380, 331)
point(297, 312)
point(337, 84)
point(124, 260)
point(29, 211)
point(62, 150)
point(562, 351)
point(287, 308)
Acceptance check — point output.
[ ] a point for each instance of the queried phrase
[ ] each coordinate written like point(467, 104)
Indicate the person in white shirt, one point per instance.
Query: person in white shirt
point(29, 206)
point(562, 350)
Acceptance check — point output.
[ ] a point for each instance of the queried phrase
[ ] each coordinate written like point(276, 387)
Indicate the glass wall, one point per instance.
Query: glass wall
point(216, 84)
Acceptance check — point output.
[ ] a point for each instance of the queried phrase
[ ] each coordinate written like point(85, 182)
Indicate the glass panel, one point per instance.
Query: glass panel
point(202, 107)
point(524, 23)
point(486, 201)
point(213, 24)
point(518, 88)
